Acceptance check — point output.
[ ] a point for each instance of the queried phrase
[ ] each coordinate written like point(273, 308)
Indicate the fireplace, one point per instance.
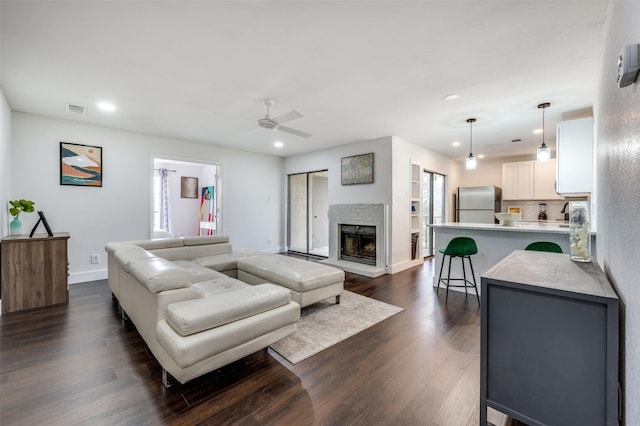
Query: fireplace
point(358, 244)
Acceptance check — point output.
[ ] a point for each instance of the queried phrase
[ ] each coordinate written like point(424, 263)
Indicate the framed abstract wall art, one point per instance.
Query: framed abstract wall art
point(80, 165)
point(357, 169)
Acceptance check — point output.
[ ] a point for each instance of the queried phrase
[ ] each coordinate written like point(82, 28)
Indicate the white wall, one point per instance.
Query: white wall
point(120, 210)
point(6, 168)
point(392, 183)
point(329, 159)
point(489, 172)
point(404, 154)
point(617, 185)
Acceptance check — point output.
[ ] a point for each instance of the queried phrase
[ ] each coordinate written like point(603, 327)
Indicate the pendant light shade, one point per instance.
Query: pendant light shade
point(471, 162)
point(544, 153)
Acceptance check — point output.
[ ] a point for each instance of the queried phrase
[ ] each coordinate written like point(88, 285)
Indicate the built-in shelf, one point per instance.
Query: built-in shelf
point(416, 212)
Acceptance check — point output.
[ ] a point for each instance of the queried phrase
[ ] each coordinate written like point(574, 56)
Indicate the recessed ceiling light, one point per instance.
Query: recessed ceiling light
point(481, 156)
point(106, 106)
point(537, 131)
point(278, 144)
point(456, 143)
point(451, 97)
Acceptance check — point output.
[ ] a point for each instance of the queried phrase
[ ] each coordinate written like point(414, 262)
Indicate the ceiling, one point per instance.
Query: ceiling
point(356, 70)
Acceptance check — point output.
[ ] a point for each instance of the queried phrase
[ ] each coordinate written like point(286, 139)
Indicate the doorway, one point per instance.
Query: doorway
point(433, 199)
point(308, 215)
point(185, 199)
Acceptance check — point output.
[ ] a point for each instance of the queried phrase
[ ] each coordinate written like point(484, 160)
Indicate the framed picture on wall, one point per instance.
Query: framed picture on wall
point(357, 169)
point(80, 165)
point(188, 187)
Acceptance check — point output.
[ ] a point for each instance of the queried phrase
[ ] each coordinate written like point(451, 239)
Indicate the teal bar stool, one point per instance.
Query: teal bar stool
point(464, 248)
point(544, 246)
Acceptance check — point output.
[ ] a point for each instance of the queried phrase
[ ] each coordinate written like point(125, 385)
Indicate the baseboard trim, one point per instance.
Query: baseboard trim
point(85, 276)
point(398, 267)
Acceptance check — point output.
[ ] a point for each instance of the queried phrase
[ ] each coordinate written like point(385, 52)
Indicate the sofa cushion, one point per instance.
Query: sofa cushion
point(194, 316)
point(296, 274)
point(160, 243)
point(219, 285)
point(198, 273)
point(206, 239)
point(193, 251)
point(187, 351)
point(159, 274)
point(225, 262)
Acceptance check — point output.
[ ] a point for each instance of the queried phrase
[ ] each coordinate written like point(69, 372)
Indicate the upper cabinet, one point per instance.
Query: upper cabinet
point(517, 180)
point(545, 181)
point(529, 180)
point(575, 157)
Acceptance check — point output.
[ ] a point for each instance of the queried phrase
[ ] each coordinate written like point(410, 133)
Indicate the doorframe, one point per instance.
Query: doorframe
point(307, 208)
point(170, 157)
point(431, 209)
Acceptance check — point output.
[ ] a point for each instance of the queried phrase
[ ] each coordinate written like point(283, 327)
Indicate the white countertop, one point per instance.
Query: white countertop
point(543, 227)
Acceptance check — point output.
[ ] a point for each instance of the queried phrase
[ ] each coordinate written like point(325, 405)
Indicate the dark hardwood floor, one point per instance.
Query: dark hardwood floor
point(80, 364)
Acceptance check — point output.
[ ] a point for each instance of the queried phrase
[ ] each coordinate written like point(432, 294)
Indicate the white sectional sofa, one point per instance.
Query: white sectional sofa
point(186, 302)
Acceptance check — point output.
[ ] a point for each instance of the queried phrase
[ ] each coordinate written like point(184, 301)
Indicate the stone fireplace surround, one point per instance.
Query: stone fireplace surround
point(363, 215)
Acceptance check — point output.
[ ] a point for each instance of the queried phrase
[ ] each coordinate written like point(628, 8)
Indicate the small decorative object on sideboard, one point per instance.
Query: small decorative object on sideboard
point(579, 231)
point(17, 207)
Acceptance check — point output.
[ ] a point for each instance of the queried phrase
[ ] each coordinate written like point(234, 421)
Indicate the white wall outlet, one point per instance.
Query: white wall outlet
point(95, 259)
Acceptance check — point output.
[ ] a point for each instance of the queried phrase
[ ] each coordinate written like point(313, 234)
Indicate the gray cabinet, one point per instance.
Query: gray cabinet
point(549, 341)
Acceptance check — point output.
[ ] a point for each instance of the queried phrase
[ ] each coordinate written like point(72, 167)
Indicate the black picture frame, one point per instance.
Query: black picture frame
point(44, 222)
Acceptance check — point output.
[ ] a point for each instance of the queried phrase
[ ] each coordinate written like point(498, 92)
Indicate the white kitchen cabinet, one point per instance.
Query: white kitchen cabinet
point(518, 180)
point(575, 157)
point(545, 181)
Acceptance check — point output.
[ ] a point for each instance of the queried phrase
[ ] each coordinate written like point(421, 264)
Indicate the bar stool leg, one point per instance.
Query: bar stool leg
point(446, 299)
point(464, 276)
point(444, 257)
point(475, 286)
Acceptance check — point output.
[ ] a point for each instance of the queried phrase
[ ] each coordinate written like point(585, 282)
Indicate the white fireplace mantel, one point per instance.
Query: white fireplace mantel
point(359, 214)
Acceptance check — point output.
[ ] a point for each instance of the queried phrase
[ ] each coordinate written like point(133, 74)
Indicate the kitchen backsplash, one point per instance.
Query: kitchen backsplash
point(531, 209)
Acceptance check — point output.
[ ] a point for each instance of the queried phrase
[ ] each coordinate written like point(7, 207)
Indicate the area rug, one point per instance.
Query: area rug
point(324, 324)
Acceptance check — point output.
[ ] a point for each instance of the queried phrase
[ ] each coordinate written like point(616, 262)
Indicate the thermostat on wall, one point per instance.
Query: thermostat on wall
point(628, 65)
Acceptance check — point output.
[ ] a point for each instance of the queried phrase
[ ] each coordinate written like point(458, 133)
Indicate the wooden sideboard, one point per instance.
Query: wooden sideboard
point(34, 271)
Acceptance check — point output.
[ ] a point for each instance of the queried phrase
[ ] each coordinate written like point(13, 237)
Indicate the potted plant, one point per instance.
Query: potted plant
point(17, 207)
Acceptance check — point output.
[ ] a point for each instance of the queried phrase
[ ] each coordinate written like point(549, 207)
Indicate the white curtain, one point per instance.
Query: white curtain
point(164, 200)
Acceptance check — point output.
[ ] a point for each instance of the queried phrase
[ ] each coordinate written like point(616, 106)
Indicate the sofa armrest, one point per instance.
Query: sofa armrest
point(124, 256)
point(159, 274)
point(194, 316)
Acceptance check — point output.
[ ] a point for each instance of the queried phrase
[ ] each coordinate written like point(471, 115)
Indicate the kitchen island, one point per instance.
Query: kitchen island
point(495, 242)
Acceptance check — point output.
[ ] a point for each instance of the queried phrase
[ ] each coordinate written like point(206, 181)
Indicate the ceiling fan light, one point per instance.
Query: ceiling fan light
point(471, 162)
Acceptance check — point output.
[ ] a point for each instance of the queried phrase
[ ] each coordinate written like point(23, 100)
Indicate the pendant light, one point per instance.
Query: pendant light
point(544, 153)
point(471, 162)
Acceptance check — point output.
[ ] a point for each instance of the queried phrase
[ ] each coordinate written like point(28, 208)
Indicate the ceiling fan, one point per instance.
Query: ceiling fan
point(276, 123)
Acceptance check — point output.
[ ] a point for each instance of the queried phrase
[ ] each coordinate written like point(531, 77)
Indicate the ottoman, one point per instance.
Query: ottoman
point(309, 282)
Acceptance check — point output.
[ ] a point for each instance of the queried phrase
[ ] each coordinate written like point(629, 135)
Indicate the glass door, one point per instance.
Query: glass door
point(308, 215)
point(433, 199)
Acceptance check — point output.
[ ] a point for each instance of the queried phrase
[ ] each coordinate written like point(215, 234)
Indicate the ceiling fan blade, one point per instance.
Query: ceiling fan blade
point(294, 131)
point(289, 116)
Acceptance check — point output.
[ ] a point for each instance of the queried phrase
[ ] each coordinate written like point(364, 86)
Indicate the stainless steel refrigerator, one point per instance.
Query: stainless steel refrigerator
point(477, 204)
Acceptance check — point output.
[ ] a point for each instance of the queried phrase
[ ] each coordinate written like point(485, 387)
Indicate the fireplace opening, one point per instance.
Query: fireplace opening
point(358, 244)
